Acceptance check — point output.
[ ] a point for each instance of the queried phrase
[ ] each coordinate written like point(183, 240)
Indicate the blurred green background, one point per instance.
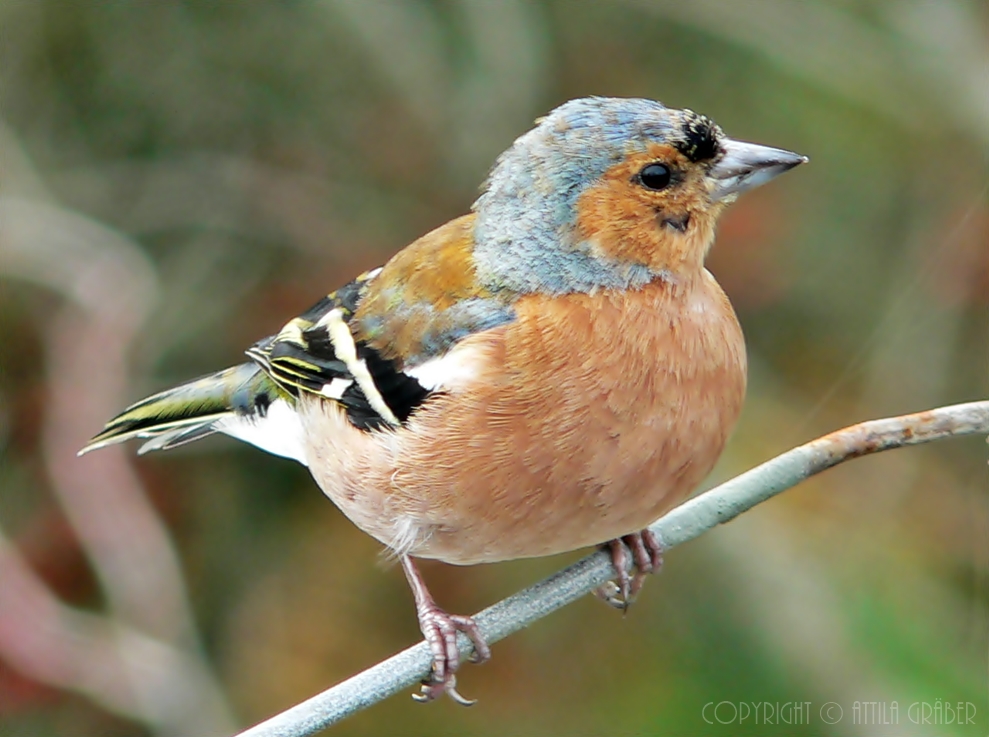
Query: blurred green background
point(179, 178)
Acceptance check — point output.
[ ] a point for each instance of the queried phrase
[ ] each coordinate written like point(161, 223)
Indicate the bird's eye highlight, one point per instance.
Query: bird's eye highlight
point(655, 177)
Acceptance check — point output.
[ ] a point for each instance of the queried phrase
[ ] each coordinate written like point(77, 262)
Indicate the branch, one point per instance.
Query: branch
point(717, 506)
point(121, 668)
point(108, 288)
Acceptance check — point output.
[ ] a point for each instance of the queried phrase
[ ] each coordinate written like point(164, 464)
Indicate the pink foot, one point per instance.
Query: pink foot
point(440, 630)
point(647, 554)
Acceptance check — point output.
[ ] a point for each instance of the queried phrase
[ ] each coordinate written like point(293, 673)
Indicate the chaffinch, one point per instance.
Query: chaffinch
point(555, 370)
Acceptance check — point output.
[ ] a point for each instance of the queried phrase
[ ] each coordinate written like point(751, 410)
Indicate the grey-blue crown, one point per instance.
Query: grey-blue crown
point(525, 226)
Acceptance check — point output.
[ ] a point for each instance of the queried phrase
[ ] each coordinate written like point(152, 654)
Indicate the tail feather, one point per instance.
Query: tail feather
point(190, 411)
point(179, 436)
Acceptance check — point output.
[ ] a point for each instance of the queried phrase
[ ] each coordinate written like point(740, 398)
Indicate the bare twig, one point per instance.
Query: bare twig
point(119, 667)
point(109, 289)
point(715, 507)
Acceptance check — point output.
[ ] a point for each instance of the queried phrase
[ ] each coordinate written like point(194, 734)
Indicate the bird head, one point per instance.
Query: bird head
point(612, 193)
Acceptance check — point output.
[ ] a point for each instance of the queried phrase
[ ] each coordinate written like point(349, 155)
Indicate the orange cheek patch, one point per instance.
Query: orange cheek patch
point(624, 221)
point(620, 225)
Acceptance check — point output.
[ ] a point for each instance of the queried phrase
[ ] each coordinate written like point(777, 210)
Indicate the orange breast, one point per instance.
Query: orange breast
point(587, 418)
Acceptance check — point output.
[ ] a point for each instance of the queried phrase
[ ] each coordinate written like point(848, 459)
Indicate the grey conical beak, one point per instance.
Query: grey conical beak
point(745, 166)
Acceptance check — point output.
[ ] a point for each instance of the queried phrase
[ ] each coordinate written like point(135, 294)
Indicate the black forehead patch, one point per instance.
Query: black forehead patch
point(700, 138)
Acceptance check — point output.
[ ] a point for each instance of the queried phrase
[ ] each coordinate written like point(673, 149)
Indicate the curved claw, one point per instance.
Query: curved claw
point(617, 593)
point(647, 554)
point(440, 630)
point(430, 690)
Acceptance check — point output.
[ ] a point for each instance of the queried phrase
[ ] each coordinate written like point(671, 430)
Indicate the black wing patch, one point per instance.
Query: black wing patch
point(402, 393)
point(303, 358)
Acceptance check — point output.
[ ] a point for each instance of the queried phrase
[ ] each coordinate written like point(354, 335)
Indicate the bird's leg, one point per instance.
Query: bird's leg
point(440, 630)
point(647, 554)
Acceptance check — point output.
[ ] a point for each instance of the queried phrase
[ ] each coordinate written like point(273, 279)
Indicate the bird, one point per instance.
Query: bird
point(552, 371)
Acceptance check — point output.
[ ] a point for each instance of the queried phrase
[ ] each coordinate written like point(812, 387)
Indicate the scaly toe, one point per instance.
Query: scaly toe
point(440, 630)
point(467, 625)
point(646, 551)
point(647, 555)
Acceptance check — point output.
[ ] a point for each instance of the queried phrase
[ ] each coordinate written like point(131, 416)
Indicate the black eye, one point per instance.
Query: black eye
point(655, 177)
